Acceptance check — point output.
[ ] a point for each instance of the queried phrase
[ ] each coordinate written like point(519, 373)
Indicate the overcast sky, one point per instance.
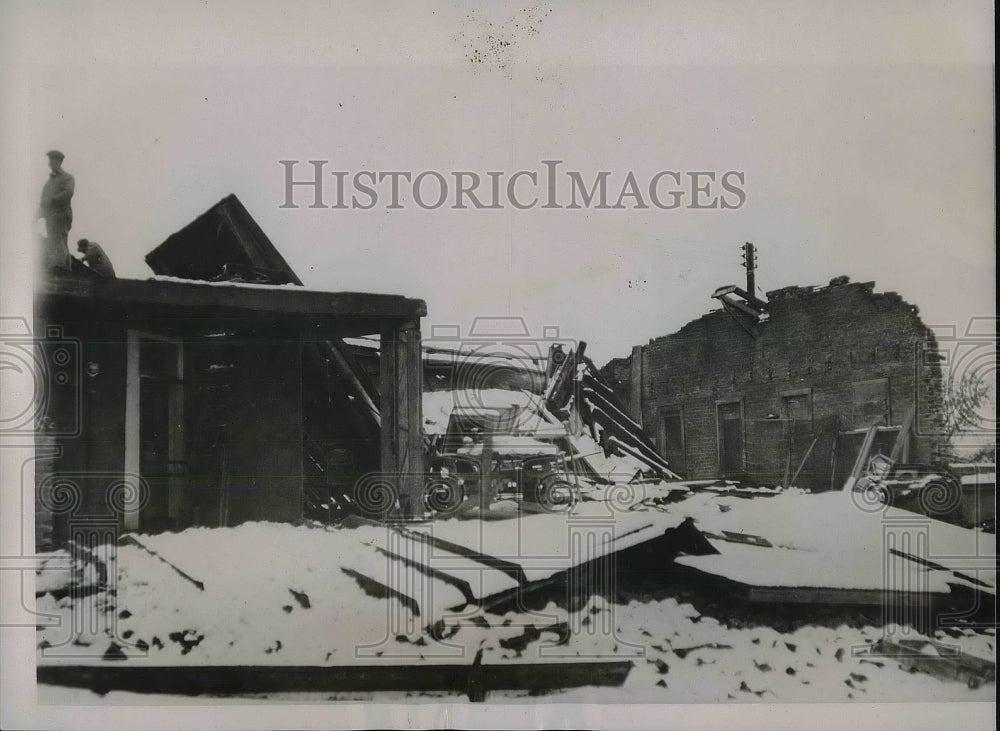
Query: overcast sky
point(864, 132)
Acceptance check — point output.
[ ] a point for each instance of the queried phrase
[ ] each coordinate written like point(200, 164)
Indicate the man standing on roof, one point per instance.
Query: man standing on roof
point(95, 258)
point(58, 214)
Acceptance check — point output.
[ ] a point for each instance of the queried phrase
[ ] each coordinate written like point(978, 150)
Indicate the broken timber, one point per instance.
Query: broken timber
point(131, 540)
point(475, 680)
point(934, 658)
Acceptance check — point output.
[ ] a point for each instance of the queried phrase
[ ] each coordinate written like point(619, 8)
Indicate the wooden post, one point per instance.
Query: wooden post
point(175, 448)
point(802, 463)
point(899, 447)
point(635, 397)
point(401, 387)
point(487, 491)
point(133, 458)
point(861, 463)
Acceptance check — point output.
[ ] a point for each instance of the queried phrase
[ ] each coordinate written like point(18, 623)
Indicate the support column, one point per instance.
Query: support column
point(401, 388)
point(132, 444)
point(635, 400)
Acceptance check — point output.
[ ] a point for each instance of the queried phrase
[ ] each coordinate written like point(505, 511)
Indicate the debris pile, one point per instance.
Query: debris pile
point(499, 594)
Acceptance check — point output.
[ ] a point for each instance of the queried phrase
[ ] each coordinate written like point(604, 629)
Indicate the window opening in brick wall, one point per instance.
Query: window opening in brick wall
point(870, 401)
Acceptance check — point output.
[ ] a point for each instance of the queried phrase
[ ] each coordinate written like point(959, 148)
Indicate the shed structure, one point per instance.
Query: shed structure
point(173, 402)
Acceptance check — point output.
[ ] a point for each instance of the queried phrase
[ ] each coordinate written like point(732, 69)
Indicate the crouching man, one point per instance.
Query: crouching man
point(95, 258)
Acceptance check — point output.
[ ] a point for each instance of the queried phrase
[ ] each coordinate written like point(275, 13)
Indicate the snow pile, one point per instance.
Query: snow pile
point(273, 594)
point(689, 658)
point(681, 656)
point(57, 571)
point(841, 544)
point(276, 594)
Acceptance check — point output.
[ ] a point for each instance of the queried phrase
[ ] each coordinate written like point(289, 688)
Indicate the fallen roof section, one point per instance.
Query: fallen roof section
point(821, 549)
point(280, 591)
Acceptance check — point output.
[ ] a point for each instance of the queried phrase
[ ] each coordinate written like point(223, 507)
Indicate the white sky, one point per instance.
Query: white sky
point(865, 132)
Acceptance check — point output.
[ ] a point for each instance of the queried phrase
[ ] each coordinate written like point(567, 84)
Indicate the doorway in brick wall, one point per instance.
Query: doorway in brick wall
point(671, 439)
point(729, 424)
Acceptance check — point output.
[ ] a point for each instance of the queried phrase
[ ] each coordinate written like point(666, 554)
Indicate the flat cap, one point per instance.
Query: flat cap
point(56, 154)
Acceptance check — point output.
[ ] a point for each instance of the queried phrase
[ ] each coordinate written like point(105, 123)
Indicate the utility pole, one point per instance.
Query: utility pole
point(750, 263)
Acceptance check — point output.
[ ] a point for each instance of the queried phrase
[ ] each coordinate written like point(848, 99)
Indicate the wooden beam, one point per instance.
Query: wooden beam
point(861, 463)
point(818, 596)
point(899, 446)
point(244, 679)
point(635, 392)
point(511, 569)
point(401, 389)
point(232, 299)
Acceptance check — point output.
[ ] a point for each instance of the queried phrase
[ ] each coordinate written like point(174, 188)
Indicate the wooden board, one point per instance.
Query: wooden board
point(473, 679)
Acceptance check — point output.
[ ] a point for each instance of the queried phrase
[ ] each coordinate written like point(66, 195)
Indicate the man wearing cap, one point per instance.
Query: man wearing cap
point(56, 210)
point(95, 258)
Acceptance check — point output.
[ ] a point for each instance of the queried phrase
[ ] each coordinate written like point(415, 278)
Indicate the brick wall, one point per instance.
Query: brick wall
point(840, 348)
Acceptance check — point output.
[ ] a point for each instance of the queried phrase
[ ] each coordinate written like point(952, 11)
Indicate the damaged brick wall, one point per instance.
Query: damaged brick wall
point(720, 401)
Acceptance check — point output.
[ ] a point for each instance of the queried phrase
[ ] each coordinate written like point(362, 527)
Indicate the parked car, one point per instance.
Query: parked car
point(533, 473)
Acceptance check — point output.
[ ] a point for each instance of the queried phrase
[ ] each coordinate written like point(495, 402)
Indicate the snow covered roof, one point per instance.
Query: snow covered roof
point(439, 405)
point(508, 444)
point(854, 541)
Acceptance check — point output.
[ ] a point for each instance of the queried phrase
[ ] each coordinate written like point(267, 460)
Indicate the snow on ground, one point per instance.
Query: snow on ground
point(57, 569)
point(691, 659)
point(273, 593)
point(277, 594)
point(680, 656)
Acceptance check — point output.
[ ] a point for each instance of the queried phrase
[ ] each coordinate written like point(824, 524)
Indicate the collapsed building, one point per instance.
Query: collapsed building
point(519, 399)
point(766, 391)
point(222, 392)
